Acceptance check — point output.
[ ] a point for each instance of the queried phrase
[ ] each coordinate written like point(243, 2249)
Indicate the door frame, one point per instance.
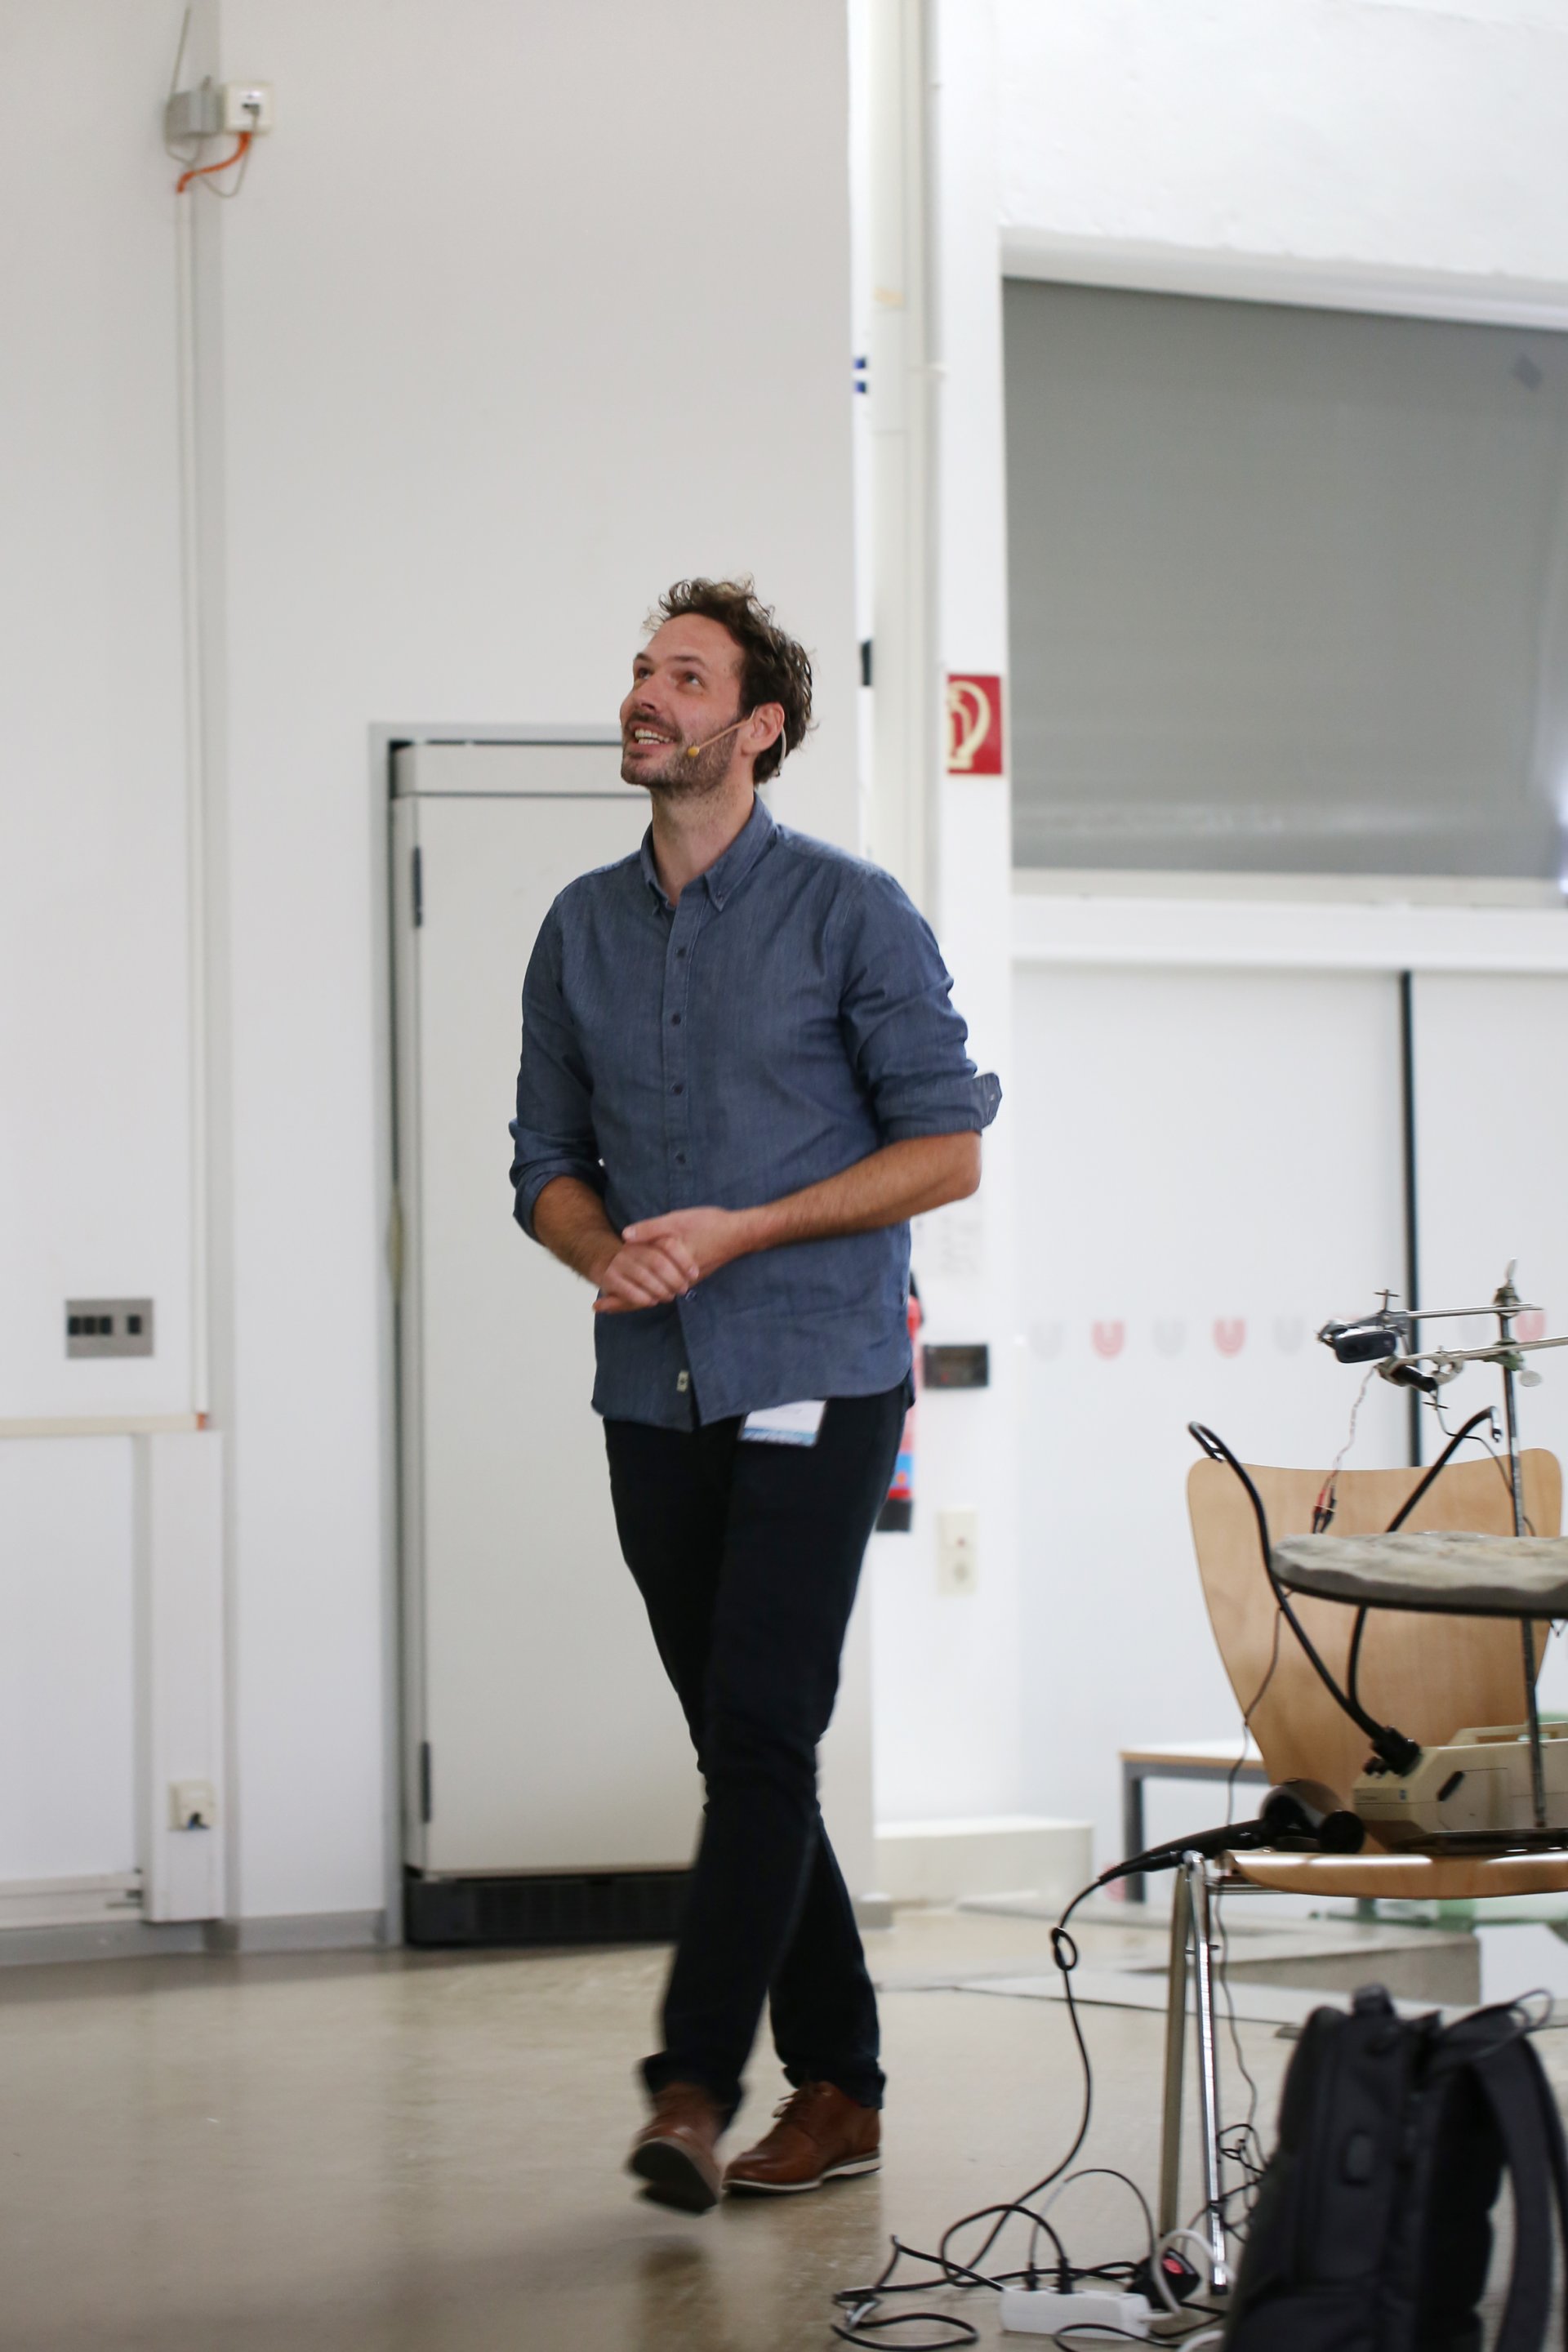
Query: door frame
point(384, 738)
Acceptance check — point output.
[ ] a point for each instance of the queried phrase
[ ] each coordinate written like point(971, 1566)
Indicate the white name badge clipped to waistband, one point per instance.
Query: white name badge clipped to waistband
point(786, 1424)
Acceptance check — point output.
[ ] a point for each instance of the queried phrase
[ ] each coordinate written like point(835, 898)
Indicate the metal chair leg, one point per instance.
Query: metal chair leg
point(1192, 1933)
point(1175, 2057)
point(1195, 1871)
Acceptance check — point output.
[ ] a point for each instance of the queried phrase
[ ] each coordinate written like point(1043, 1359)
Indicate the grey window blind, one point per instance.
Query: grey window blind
point(1289, 587)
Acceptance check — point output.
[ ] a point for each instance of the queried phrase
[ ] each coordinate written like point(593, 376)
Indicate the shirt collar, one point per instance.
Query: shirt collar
point(727, 873)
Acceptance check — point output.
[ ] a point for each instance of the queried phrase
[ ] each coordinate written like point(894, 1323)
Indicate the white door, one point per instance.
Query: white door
point(550, 1739)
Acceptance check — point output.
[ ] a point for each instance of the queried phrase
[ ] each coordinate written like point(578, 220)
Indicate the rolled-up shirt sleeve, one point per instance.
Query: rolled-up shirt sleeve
point(907, 1040)
point(554, 1130)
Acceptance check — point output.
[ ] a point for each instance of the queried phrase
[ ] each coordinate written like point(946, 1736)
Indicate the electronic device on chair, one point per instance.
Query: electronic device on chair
point(1474, 1792)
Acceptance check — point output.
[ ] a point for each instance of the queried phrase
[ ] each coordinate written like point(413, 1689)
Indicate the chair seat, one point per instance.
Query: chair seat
point(1406, 1877)
point(1452, 1573)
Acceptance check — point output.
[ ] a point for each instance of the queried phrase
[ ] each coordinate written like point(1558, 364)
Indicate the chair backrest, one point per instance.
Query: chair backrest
point(1430, 1676)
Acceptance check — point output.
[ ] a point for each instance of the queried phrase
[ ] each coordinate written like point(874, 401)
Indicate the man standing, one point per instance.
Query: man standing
point(742, 1076)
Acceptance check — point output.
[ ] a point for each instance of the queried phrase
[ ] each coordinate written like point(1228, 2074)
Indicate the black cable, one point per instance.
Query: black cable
point(1258, 1696)
point(1242, 2066)
point(954, 2273)
point(1503, 1470)
point(1352, 1668)
point(860, 2303)
point(864, 2326)
point(1396, 1751)
point(1417, 1494)
point(1418, 1491)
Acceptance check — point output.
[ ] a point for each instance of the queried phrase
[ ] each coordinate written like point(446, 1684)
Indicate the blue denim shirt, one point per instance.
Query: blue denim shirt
point(788, 1017)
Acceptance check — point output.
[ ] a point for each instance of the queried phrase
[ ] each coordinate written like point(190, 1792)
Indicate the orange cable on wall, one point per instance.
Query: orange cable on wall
point(200, 171)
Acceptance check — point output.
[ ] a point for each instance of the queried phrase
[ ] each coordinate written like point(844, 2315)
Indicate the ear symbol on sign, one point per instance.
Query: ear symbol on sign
point(969, 718)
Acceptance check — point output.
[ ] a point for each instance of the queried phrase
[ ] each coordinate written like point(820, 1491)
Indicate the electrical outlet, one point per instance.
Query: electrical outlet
point(108, 1326)
point(957, 1552)
point(247, 105)
point(193, 1805)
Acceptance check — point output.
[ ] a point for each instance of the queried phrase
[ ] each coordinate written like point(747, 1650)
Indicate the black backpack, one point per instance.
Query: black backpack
point(1373, 2227)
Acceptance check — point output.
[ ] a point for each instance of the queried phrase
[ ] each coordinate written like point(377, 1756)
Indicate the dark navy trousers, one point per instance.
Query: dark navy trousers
point(747, 1555)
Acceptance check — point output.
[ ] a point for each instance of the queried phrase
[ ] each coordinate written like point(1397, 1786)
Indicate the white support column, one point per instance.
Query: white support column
point(966, 1256)
point(904, 738)
point(947, 1671)
point(199, 228)
point(178, 1521)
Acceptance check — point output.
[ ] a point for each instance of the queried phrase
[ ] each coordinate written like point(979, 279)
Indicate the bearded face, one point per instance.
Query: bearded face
point(680, 722)
point(668, 764)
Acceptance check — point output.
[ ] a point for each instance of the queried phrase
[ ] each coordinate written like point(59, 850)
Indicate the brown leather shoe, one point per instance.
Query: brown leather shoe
point(676, 2152)
point(820, 2135)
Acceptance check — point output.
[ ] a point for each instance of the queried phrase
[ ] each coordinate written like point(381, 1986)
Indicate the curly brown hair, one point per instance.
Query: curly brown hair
point(774, 668)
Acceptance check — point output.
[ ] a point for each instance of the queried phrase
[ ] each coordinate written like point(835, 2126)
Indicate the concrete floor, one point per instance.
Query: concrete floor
point(412, 2152)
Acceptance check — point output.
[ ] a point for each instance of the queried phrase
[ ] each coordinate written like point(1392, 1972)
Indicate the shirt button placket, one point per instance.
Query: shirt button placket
point(677, 1033)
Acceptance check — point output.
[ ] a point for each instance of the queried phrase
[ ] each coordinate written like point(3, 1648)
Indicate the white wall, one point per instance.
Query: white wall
point(484, 396)
point(1215, 1171)
point(482, 383)
point(1350, 149)
point(93, 1178)
point(442, 485)
point(94, 1039)
point(1398, 136)
point(68, 1749)
point(1355, 151)
point(1209, 1104)
point(1492, 1103)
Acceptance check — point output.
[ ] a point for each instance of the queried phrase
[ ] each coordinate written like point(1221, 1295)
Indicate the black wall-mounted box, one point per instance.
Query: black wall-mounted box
point(957, 1368)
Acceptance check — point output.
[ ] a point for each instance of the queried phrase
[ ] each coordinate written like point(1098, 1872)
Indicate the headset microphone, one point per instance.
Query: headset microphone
point(693, 748)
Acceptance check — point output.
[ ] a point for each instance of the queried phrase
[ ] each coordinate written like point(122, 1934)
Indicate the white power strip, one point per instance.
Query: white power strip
point(1038, 2311)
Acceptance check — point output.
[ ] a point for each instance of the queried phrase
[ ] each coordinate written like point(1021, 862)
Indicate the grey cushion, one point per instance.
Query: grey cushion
point(1462, 1575)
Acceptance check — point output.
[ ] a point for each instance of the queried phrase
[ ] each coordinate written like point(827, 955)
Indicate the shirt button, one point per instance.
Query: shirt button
point(677, 1090)
point(675, 1020)
point(680, 955)
point(680, 1159)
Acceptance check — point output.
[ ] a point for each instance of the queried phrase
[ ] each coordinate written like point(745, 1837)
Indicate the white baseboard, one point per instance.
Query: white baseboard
point(1001, 1854)
point(92, 1902)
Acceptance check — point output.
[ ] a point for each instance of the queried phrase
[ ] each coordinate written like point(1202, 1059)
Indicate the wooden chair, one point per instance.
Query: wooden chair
point(1430, 1676)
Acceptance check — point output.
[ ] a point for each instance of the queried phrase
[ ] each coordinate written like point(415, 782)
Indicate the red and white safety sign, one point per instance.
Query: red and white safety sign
point(974, 726)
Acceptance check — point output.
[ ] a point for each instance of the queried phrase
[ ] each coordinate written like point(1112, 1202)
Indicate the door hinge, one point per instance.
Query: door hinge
point(419, 874)
point(424, 1779)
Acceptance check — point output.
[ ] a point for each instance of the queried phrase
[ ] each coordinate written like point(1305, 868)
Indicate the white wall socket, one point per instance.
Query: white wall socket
point(957, 1552)
point(246, 106)
point(193, 1805)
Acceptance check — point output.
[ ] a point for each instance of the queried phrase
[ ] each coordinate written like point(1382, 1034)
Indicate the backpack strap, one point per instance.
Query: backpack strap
point(1515, 2087)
